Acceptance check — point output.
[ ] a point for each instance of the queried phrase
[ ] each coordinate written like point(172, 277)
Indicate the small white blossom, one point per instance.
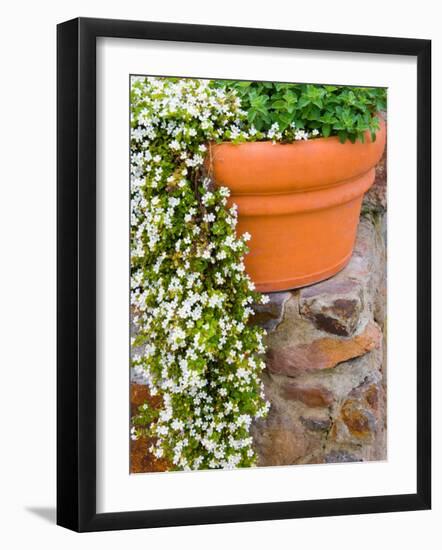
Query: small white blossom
point(190, 319)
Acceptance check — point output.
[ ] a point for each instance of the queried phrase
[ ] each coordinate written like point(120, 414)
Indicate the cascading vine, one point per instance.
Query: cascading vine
point(191, 296)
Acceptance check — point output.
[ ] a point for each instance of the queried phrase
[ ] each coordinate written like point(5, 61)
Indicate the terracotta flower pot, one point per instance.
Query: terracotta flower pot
point(300, 202)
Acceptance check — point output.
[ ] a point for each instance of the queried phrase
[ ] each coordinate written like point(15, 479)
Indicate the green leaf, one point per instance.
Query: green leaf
point(335, 110)
point(279, 104)
point(251, 115)
point(303, 102)
point(326, 129)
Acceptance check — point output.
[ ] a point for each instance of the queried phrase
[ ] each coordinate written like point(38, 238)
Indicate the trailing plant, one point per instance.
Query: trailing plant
point(300, 111)
point(189, 289)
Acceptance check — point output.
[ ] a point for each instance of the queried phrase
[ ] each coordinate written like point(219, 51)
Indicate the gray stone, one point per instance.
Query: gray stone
point(334, 306)
point(270, 315)
point(340, 456)
point(278, 440)
point(138, 376)
point(375, 199)
point(316, 424)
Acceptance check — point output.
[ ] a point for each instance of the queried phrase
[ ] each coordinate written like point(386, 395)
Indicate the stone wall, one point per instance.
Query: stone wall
point(326, 358)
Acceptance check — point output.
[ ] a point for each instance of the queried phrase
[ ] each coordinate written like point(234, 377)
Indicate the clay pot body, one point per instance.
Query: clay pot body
point(299, 201)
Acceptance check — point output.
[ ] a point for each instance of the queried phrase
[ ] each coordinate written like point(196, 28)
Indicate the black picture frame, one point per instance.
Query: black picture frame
point(76, 274)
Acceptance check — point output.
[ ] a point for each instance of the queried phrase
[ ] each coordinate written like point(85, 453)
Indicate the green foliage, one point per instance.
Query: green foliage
point(344, 111)
point(189, 290)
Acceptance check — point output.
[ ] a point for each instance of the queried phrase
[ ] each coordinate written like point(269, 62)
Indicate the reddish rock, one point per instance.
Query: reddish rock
point(312, 396)
point(359, 420)
point(141, 460)
point(372, 396)
point(323, 353)
point(139, 395)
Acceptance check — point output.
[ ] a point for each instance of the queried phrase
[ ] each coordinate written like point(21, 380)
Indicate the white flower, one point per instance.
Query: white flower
point(234, 132)
point(301, 135)
point(175, 145)
point(207, 198)
point(177, 425)
point(162, 430)
point(133, 434)
point(274, 132)
point(158, 453)
point(179, 303)
point(138, 134)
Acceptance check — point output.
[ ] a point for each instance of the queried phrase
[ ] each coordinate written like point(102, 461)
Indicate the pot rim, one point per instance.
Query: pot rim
point(265, 168)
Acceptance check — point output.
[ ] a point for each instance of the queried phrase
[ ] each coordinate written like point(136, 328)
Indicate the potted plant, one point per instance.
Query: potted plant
point(299, 186)
point(190, 290)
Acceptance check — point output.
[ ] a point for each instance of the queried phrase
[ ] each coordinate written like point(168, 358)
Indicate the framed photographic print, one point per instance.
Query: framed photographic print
point(243, 274)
